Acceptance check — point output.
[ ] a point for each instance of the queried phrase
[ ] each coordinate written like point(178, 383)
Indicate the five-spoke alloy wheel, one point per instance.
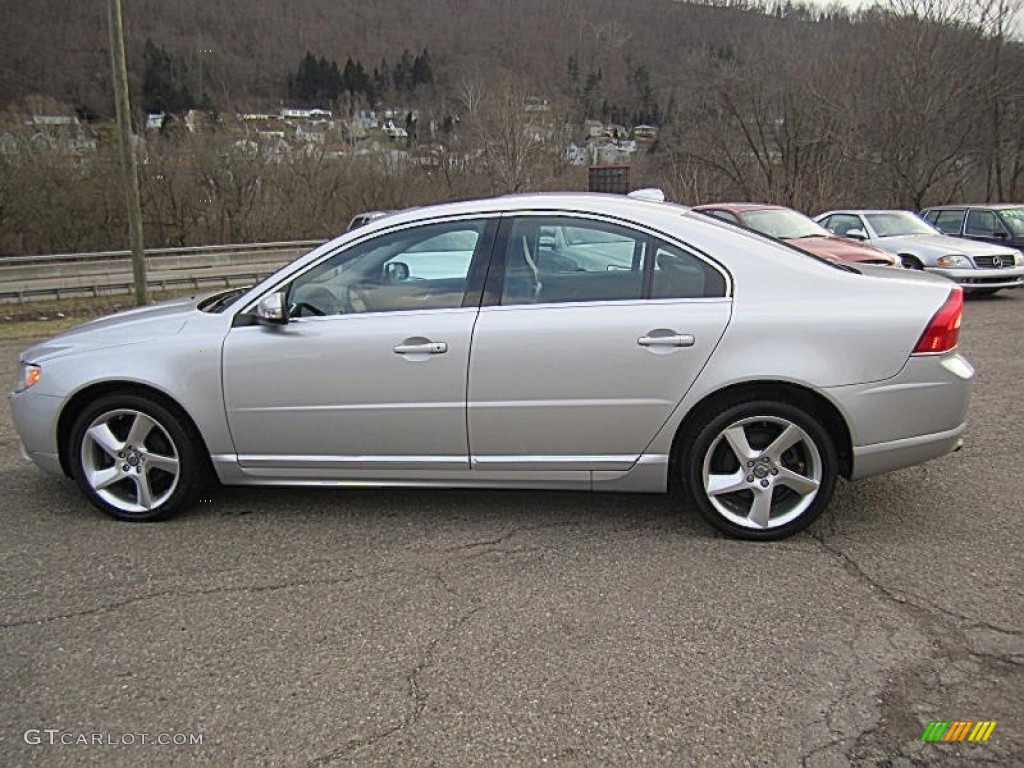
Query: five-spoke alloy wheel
point(761, 470)
point(134, 459)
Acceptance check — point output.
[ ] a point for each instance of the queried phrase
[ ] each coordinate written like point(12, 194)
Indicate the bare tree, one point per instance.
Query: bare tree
point(518, 149)
point(471, 91)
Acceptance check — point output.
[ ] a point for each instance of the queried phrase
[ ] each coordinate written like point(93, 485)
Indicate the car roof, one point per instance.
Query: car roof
point(594, 202)
point(987, 206)
point(859, 211)
point(740, 207)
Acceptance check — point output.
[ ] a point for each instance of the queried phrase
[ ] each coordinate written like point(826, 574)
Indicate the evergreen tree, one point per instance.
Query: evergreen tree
point(382, 78)
point(162, 87)
point(402, 76)
point(422, 73)
point(573, 72)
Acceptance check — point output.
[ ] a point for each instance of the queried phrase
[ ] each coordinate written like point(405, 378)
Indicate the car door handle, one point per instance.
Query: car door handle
point(675, 340)
point(425, 348)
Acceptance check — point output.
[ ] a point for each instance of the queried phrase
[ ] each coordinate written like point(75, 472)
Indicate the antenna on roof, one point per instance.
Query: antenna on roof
point(653, 194)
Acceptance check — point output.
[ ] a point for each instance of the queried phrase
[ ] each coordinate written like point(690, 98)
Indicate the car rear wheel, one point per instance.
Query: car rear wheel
point(135, 459)
point(760, 470)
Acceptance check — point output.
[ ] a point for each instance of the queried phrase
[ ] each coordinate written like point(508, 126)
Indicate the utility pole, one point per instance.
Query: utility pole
point(128, 166)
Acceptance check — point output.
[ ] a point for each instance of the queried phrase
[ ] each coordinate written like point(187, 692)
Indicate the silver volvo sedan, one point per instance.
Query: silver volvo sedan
point(564, 341)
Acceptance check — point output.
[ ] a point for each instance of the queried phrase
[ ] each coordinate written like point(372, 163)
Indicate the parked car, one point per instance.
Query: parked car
point(361, 219)
point(574, 341)
point(997, 223)
point(799, 230)
point(978, 268)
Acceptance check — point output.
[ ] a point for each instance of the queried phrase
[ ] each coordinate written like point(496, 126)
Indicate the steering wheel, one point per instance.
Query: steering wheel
point(318, 302)
point(297, 309)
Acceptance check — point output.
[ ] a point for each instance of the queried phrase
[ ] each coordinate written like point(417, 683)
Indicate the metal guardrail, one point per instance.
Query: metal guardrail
point(126, 287)
point(60, 276)
point(150, 252)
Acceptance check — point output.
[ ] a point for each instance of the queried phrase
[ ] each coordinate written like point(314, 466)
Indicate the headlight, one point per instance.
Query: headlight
point(28, 376)
point(1017, 259)
point(953, 261)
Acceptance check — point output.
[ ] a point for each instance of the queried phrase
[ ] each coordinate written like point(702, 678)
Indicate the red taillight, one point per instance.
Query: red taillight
point(943, 332)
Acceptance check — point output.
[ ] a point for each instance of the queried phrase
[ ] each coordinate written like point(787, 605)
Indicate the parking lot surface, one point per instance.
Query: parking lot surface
point(405, 627)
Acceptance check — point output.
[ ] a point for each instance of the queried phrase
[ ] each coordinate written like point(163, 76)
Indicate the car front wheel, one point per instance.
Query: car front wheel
point(134, 458)
point(761, 470)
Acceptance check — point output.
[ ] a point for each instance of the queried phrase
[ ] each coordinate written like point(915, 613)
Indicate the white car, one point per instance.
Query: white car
point(977, 267)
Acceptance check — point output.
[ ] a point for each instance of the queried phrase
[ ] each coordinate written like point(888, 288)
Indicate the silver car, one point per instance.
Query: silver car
point(977, 267)
point(573, 341)
point(362, 219)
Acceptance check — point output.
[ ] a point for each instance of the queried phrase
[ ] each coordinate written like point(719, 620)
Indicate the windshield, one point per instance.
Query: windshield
point(896, 223)
point(783, 224)
point(1014, 220)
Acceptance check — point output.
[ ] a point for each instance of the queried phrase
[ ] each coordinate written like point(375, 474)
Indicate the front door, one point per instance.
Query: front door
point(369, 374)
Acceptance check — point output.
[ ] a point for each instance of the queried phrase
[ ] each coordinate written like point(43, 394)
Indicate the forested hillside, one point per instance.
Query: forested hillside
point(60, 49)
point(905, 104)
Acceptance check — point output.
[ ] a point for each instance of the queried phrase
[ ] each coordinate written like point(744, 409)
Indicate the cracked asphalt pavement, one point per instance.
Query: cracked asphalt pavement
point(420, 628)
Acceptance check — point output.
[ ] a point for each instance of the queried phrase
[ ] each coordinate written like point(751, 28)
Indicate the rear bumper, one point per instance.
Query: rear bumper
point(885, 457)
point(982, 279)
point(917, 415)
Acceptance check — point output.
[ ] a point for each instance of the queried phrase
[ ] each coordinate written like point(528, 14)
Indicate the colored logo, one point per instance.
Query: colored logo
point(958, 730)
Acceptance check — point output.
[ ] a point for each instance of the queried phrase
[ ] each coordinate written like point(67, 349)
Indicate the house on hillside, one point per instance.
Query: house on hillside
point(312, 115)
point(593, 129)
point(536, 104)
point(61, 132)
point(311, 132)
point(393, 131)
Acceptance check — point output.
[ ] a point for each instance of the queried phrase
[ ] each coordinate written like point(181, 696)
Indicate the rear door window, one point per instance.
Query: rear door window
point(562, 259)
point(982, 224)
point(949, 221)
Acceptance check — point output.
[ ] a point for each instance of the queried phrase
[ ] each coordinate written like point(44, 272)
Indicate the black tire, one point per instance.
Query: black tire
point(982, 292)
point(798, 482)
point(909, 262)
point(112, 467)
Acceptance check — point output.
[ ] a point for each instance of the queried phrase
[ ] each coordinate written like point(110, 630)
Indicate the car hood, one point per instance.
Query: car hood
point(940, 245)
point(129, 327)
point(842, 249)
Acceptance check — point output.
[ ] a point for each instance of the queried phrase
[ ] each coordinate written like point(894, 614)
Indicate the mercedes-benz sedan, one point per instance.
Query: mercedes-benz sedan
point(568, 341)
point(979, 268)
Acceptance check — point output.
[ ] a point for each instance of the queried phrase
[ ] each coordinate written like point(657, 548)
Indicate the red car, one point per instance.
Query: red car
point(797, 229)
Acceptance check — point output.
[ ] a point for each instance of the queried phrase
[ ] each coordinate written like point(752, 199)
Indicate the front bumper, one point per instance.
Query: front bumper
point(982, 279)
point(35, 419)
point(917, 415)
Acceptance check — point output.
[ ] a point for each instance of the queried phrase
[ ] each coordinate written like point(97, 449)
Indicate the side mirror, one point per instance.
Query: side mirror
point(1000, 236)
point(271, 309)
point(396, 272)
point(856, 234)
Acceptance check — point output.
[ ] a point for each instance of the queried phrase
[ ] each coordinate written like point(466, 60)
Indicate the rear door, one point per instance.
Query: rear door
point(985, 226)
point(590, 335)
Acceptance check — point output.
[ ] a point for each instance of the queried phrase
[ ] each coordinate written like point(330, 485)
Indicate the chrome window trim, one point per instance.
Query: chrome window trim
point(635, 227)
point(249, 305)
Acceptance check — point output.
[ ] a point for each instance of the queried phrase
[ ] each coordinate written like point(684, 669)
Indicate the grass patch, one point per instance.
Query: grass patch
point(45, 318)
